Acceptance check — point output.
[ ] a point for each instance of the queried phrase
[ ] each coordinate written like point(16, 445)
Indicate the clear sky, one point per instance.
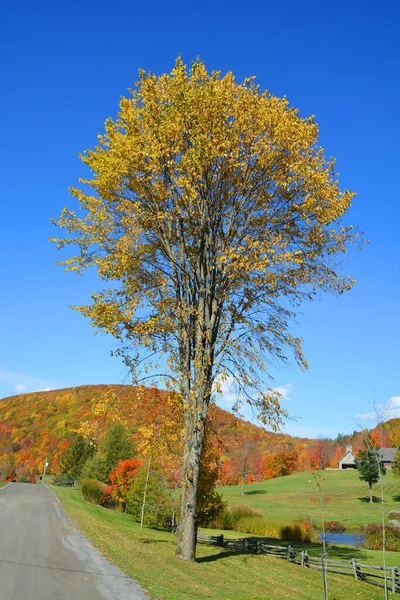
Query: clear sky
point(64, 67)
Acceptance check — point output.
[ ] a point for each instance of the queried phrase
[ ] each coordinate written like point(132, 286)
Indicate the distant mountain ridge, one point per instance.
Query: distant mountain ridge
point(39, 424)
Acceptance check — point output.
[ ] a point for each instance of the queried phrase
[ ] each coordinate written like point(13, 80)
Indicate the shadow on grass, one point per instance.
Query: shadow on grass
point(396, 498)
point(153, 541)
point(256, 492)
point(374, 499)
point(218, 556)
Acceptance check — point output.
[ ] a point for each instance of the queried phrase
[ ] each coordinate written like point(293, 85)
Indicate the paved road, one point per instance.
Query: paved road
point(43, 557)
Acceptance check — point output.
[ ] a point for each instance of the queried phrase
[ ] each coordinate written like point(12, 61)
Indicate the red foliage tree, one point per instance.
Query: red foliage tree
point(122, 478)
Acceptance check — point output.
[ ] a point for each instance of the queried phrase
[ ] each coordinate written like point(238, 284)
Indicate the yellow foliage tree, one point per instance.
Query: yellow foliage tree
point(212, 206)
point(106, 410)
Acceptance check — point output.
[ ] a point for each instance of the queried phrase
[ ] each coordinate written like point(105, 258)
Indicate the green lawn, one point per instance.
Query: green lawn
point(149, 557)
point(1, 484)
point(289, 498)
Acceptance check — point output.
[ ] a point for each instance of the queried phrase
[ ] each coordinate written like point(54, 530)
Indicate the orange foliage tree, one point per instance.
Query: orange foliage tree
point(280, 464)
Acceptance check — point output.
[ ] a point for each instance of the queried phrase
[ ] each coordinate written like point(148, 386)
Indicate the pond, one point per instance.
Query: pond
point(349, 539)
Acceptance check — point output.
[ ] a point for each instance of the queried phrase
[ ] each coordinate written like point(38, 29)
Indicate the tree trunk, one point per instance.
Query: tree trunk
point(243, 478)
point(370, 493)
point(145, 493)
point(193, 446)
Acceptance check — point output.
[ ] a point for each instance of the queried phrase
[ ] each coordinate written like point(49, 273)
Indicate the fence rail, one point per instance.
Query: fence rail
point(374, 575)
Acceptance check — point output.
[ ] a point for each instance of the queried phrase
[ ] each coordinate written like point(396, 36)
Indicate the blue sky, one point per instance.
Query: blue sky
point(64, 67)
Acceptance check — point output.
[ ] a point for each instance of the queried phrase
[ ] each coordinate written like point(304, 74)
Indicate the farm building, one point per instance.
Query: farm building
point(348, 460)
point(388, 455)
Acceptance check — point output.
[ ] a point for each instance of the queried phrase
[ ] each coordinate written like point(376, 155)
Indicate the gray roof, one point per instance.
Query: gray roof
point(388, 454)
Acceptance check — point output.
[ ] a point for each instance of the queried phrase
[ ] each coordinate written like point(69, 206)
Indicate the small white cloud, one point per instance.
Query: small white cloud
point(285, 391)
point(20, 383)
point(391, 410)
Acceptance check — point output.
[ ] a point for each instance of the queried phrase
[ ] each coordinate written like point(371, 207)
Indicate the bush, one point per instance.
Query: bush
point(222, 521)
point(23, 479)
point(299, 532)
point(373, 538)
point(394, 514)
point(64, 480)
point(92, 490)
point(335, 527)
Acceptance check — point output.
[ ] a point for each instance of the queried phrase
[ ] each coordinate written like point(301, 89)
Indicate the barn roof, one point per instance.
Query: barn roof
point(388, 454)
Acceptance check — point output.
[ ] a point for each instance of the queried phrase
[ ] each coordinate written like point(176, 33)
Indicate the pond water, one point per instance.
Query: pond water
point(349, 539)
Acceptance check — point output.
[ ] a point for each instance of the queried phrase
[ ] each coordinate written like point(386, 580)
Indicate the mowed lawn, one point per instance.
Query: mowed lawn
point(149, 557)
point(290, 498)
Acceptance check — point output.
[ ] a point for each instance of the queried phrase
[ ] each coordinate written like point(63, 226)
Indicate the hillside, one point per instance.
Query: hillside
point(37, 425)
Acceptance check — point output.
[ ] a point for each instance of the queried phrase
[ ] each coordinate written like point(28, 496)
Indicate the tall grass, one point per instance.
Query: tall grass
point(374, 537)
point(246, 519)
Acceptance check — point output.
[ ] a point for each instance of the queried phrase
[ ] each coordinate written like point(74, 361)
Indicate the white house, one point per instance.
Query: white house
point(348, 460)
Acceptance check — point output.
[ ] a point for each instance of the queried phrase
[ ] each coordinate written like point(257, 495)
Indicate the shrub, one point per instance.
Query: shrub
point(335, 527)
point(108, 500)
point(92, 490)
point(373, 538)
point(23, 479)
point(394, 514)
point(64, 480)
point(222, 521)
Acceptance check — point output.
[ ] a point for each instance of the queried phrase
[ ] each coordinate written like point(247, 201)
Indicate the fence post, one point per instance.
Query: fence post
point(396, 579)
point(306, 559)
point(393, 579)
point(302, 558)
point(353, 562)
point(220, 540)
point(289, 549)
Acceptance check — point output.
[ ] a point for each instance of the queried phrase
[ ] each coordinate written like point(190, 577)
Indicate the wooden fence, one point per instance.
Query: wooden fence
point(367, 573)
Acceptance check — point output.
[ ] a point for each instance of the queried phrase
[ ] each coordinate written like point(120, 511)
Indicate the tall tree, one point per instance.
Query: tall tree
point(74, 457)
point(116, 446)
point(212, 206)
point(370, 467)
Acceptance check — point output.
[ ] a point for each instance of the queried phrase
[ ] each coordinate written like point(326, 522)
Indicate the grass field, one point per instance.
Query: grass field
point(289, 498)
point(149, 557)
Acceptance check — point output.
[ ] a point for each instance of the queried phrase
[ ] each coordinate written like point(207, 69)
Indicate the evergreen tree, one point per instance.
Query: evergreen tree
point(158, 505)
point(74, 458)
point(116, 446)
point(96, 468)
point(369, 465)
